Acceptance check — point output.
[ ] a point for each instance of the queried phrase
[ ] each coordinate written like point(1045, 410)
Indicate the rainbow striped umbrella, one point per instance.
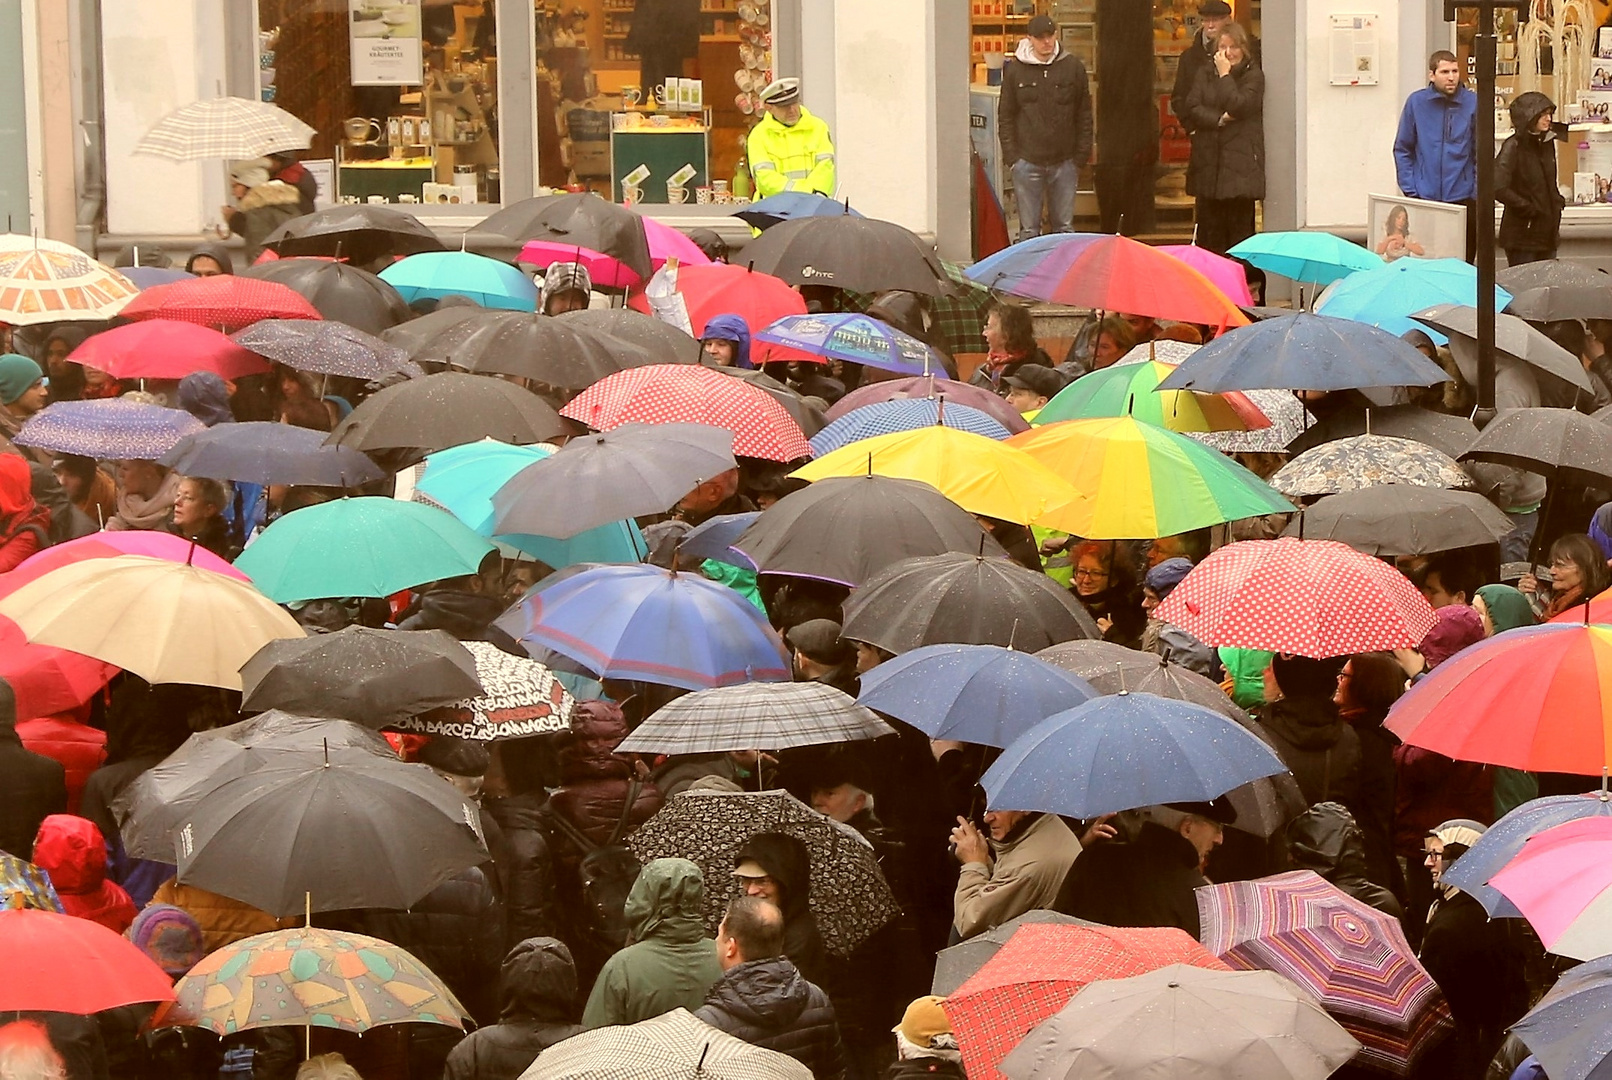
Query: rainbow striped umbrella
point(1354, 958)
point(1133, 390)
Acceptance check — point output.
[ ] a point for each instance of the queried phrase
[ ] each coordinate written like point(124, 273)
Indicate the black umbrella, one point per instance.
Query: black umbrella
point(665, 342)
point(584, 220)
point(538, 347)
point(862, 254)
point(1450, 434)
point(847, 529)
point(260, 452)
point(340, 292)
point(326, 347)
point(1402, 519)
point(359, 233)
point(1552, 442)
point(806, 414)
point(967, 599)
point(368, 676)
point(955, 965)
point(448, 409)
point(1554, 289)
point(1512, 337)
point(411, 335)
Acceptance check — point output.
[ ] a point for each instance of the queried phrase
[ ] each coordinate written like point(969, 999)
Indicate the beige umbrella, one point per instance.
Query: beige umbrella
point(167, 622)
point(673, 1046)
point(45, 281)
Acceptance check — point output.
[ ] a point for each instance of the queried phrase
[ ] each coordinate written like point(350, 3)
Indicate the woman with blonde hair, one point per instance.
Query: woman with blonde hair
point(26, 1053)
point(327, 1067)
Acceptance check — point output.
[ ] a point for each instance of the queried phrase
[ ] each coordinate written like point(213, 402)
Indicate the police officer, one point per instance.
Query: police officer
point(790, 150)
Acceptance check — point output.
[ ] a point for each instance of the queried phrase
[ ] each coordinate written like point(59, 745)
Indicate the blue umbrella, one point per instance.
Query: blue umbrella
point(1315, 258)
point(857, 338)
point(904, 414)
point(972, 693)
point(653, 625)
point(108, 429)
point(1123, 752)
point(260, 452)
point(789, 205)
point(144, 277)
point(1567, 1031)
point(1505, 839)
point(1303, 352)
point(1387, 298)
point(714, 537)
point(435, 274)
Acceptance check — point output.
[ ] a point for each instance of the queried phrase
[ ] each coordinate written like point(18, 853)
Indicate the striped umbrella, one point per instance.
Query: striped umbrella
point(1354, 958)
point(43, 281)
point(770, 716)
point(904, 414)
point(1133, 390)
point(224, 127)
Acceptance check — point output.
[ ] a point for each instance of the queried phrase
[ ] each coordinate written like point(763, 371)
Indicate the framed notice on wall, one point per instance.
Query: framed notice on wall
point(1352, 50)
point(385, 37)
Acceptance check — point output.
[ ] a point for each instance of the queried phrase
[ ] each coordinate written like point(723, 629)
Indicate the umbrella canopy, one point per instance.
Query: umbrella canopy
point(965, 599)
point(904, 414)
point(609, 272)
point(435, 274)
point(1316, 258)
point(1552, 442)
point(956, 964)
point(1137, 481)
point(931, 387)
point(1304, 352)
point(1225, 274)
point(411, 335)
point(1186, 1022)
point(325, 348)
point(1368, 461)
point(46, 680)
point(788, 205)
point(61, 963)
point(521, 698)
point(1505, 838)
point(848, 895)
point(110, 429)
point(1554, 289)
point(806, 413)
point(1561, 881)
point(664, 343)
point(1450, 434)
point(166, 622)
point(672, 1046)
point(360, 233)
point(360, 547)
point(226, 302)
point(1555, 1029)
point(338, 291)
point(1316, 598)
point(755, 716)
point(848, 252)
point(642, 622)
point(27, 886)
point(537, 347)
point(231, 128)
point(714, 537)
point(1398, 519)
point(46, 281)
point(1388, 297)
point(322, 978)
point(447, 409)
point(105, 545)
point(575, 220)
point(1133, 390)
point(261, 452)
point(359, 674)
point(144, 277)
point(705, 292)
point(858, 339)
point(1513, 338)
point(165, 349)
point(1352, 957)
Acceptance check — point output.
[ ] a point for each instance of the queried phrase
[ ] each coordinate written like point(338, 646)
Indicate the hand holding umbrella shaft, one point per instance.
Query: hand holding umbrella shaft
point(969, 845)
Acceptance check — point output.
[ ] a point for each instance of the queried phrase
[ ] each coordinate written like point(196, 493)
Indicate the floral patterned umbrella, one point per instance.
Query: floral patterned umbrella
point(521, 697)
point(1368, 461)
point(43, 281)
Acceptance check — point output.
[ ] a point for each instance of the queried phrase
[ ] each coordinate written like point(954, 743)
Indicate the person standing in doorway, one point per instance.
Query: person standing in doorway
point(1225, 110)
point(1435, 151)
point(1199, 56)
point(1045, 125)
point(1525, 181)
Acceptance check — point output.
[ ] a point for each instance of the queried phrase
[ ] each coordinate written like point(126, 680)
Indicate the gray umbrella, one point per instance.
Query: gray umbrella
point(955, 965)
point(847, 252)
point(415, 333)
point(665, 342)
point(1512, 337)
point(1557, 289)
point(1451, 434)
point(448, 409)
point(559, 353)
point(260, 452)
point(339, 292)
point(326, 347)
point(1551, 442)
point(1401, 519)
point(806, 413)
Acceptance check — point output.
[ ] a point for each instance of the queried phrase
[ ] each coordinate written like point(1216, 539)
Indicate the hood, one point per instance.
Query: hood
point(588, 753)
point(463, 615)
point(1458, 626)
point(787, 862)
point(16, 487)
point(538, 982)
point(204, 395)
point(1025, 54)
point(1527, 107)
point(71, 850)
point(769, 994)
point(730, 327)
point(1305, 723)
point(217, 252)
point(273, 193)
point(666, 902)
point(1508, 608)
point(1326, 839)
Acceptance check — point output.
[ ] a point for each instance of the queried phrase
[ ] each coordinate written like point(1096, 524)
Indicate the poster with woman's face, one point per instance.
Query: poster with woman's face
point(1401, 228)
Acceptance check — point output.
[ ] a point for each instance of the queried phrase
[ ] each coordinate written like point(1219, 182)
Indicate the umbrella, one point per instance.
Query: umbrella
point(46, 281)
point(1449, 434)
point(1225, 274)
point(521, 698)
point(1352, 957)
point(61, 963)
point(1137, 481)
point(435, 274)
point(1505, 838)
point(846, 252)
point(956, 964)
point(672, 1046)
point(1513, 338)
point(166, 622)
point(1368, 461)
point(576, 220)
point(555, 352)
point(664, 343)
point(358, 674)
point(144, 277)
point(1304, 352)
point(108, 429)
point(1126, 751)
point(316, 978)
point(1316, 598)
point(714, 538)
point(763, 214)
point(1040, 968)
point(1561, 881)
point(1562, 1031)
point(806, 413)
point(609, 272)
point(1387, 297)
point(849, 897)
point(931, 387)
point(261, 452)
point(360, 547)
point(1556, 443)
point(107, 544)
point(165, 349)
point(1186, 1022)
point(325, 348)
point(633, 470)
point(982, 694)
point(642, 622)
point(857, 339)
point(231, 128)
point(45, 680)
point(1316, 258)
point(360, 233)
point(226, 302)
point(411, 335)
point(965, 599)
point(1554, 289)
point(338, 291)
point(1280, 407)
point(1133, 390)
point(447, 409)
point(904, 414)
point(755, 716)
point(1400, 519)
point(692, 394)
point(1109, 273)
point(705, 292)
point(25, 885)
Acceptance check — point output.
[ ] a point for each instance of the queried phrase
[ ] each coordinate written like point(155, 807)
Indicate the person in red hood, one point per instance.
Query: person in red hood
point(70, 849)
point(24, 524)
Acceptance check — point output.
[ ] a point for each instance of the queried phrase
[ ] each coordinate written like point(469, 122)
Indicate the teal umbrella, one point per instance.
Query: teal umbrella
point(1315, 258)
point(360, 547)
point(1388, 296)
point(435, 274)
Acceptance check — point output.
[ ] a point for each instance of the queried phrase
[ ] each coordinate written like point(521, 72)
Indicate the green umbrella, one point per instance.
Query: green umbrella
point(1133, 390)
point(360, 547)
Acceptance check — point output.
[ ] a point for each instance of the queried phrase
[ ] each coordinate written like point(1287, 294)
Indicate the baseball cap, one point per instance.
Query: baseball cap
point(1041, 26)
point(749, 868)
point(1036, 378)
point(924, 1019)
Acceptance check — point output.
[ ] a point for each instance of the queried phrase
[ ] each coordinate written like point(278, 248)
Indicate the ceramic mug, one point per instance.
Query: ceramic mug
point(631, 196)
point(702, 195)
point(676, 194)
point(377, 198)
point(631, 95)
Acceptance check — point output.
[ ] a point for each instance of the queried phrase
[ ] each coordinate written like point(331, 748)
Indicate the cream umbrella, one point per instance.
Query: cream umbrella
point(224, 127)
point(45, 281)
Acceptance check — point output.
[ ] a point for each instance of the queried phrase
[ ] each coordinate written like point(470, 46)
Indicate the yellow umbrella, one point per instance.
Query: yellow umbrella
point(167, 622)
point(981, 475)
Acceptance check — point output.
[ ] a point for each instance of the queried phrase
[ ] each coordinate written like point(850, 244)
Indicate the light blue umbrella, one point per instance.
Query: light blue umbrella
point(1567, 1031)
point(1505, 839)
point(435, 274)
point(789, 205)
point(713, 539)
point(110, 429)
point(1315, 258)
point(857, 338)
point(1388, 297)
point(1303, 352)
point(904, 414)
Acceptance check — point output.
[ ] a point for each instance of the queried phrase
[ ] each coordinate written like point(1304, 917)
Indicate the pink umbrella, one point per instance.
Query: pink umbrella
point(609, 272)
point(105, 545)
point(166, 349)
point(1226, 274)
point(1561, 881)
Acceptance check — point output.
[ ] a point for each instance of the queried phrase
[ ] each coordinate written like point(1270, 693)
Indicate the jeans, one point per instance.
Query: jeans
point(1515, 545)
point(1053, 184)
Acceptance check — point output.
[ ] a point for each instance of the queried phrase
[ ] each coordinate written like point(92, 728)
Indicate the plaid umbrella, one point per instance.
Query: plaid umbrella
point(849, 897)
point(165, 349)
point(1367, 461)
point(755, 716)
point(672, 1046)
point(1040, 968)
point(904, 414)
point(111, 429)
point(227, 302)
point(224, 127)
point(45, 281)
point(520, 697)
point(957, 964)
point(1352, 957)
point(325, 348)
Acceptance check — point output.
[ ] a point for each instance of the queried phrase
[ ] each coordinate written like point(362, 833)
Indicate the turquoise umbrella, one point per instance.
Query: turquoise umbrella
point(1315, 258)
point(1388, 297)
point(463, 480)
point(435, 274)
point(359, 547)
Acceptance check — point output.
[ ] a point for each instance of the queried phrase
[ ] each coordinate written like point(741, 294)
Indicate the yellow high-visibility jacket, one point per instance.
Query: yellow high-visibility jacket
point(799, 158)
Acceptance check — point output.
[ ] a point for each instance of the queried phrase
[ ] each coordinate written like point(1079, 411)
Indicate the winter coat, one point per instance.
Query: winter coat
point(1475, 962)
point(1525, 180)
point(1045, 112)
point(925, 1068)
point(223, 920)
point(670, 964)
point(767, 1003)
point(24, 524)
point(262, 210)
point(1326, 839)
point(1026, 872)
point(1375, 812)
point(731, 328)
point(1321, 750)
point(1430, 788)
point(792, 158)
point(787, 862)
point(70, 849)
point(594, 780)
point(457, 931)
point(466, 616)
point(1228, 162)
point(79, 747)
point(1435, 151)
point(537, 992)
point(32, 786)
point(530, 907)
point(1147, 881)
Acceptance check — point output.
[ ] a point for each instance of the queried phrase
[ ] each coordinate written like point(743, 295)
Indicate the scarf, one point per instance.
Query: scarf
point(140, 512)
point(1561, 602)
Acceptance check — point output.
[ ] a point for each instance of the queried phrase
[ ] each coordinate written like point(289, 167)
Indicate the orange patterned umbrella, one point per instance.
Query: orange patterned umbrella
point(45, 281)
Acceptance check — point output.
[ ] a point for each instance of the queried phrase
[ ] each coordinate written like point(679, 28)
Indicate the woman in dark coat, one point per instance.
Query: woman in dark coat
point(1225, 110)
point(1525, 182)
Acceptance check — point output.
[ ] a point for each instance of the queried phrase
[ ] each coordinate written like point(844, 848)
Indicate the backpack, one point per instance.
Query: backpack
point(607, 873)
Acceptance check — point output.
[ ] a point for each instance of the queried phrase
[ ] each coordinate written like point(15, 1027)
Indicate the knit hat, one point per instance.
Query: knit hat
point(820, 641)
point(250, 173)
point(1458, 626)
point(924, 1019)
point(565, 276)
point(1163, 578)
point(17, 374)
point(169, 936)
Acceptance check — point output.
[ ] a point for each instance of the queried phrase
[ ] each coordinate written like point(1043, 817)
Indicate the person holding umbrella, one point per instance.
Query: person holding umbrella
point(1148, 878)
point(670, 964)
point(198, 515)
point(567, 286)
point(777, 868)
point(725, 341)
point(22, 393)
point(263, 204)
point(24, 524)
point(1017, 865)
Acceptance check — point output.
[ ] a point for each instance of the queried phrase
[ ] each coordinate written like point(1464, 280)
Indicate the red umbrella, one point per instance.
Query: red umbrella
point(717, 289)
point(1315, 598)
point(691, 394)
point(227, 302)
point(923, 386)
point(166, 349)
point(47, 680)
point(1040, 968)
point(59, 963)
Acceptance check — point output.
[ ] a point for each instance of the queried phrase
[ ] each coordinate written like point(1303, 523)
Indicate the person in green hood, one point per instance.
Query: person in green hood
point(670, 963)
point(1502, 608)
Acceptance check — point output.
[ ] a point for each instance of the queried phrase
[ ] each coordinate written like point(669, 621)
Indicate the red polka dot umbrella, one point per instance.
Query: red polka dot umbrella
point(1315, 598)
point(227, 302)
point(690, 394)
point(166, 349)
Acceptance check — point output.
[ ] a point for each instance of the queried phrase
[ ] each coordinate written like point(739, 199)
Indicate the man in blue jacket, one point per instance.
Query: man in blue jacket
point(1435, 152)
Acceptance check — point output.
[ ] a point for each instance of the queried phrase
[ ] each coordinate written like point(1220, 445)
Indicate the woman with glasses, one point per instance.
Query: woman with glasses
point(1107, 590)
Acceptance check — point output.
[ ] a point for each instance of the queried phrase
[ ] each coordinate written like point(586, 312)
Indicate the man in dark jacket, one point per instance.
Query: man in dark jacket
point(670, 964)
point(538, 989)
point(1525, 181)
point(763, 1000)
point(465, 607)
point(1045, 126)
point(1321, 750)
point(1198, 56)
point(1326, 840)
point(821, 655)
point(1148, 879)
point(32, 786)
point(777, 868)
